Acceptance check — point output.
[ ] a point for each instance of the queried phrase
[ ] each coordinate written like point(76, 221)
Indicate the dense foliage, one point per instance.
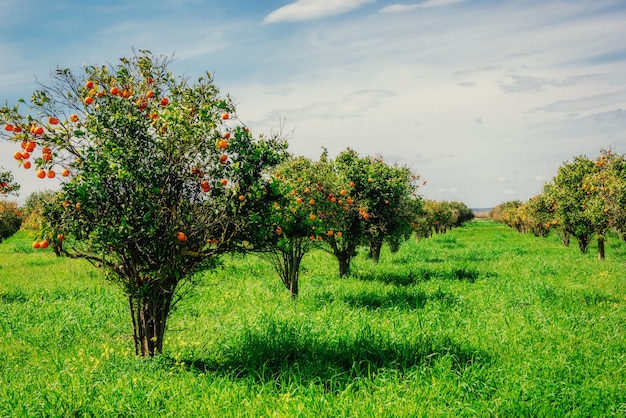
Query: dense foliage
point(157, 174)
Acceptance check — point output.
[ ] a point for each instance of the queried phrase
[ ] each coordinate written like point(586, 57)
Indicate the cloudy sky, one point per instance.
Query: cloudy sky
point(483, 98)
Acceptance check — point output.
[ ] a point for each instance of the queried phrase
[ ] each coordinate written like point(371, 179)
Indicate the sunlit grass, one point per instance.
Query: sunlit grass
point(481, 321)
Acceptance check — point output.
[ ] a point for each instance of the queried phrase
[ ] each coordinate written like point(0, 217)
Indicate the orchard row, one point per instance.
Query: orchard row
point(585, 200)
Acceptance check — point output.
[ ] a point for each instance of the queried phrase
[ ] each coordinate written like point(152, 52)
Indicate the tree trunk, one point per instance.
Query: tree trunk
point(583, 243)
point(289, 268)
point(565, 238)
point(291, 275)
point(149, 312)
point(394, 244)
point(344, 263)
point(376, 245)
point(600, 247)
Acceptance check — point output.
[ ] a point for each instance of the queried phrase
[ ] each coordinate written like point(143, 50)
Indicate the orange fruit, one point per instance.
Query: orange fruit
point(74, 117)
point(225, 116)
point(51, 174)
point(17, 155)
point(41, 174)
point(114, 91)
point(150, 94)
point(222, 143)
point(44, 244)
point(88, 100)
point(36, 245)
point(165, 101)
point(89, 84)
point(181, 237)
point(27, 165)
point(65, 172)
point(8, 127)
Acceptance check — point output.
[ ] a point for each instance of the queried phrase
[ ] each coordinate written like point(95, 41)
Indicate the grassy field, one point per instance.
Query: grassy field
point(482, 321)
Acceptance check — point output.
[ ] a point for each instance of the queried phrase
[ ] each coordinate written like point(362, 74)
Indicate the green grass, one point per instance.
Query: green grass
point(482, 321)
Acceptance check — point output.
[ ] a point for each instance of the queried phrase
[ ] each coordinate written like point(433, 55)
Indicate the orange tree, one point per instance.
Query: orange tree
point(343, 220)
point(380, 190)
point(8, 186)
point(606, 190)
point(157, 176)
point(571, 207)
point(537, 215)
point(285, 223)
point(308, 205)
point(10, 219)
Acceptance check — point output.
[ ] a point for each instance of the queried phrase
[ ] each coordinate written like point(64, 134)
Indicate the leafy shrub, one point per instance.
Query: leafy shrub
point(10, 219)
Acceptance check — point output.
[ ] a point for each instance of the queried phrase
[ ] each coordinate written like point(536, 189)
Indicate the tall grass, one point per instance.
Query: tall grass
point(481, 321)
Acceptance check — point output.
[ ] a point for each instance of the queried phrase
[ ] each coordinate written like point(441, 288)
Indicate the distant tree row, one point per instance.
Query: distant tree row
point(585, 200)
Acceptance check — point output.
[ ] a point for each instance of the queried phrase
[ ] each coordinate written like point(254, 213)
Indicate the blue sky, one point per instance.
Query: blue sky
point(485, 99)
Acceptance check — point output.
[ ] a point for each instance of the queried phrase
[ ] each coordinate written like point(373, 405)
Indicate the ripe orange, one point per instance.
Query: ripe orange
point(223, 158)
point(181, 237)
point(224, 182)
point(312, 217)
point(41, 174)
point(8, 127)
point(150, 94)
point(36, 245)
point(65, 172)
point(343, 192)
point(61, 237)
point(25, 155)
point(46, 157)
point(89, 84)
point(114, 91)
point(222, 143)
point(242, 198)
point(78, 205)
point(51, 174)
point(88, 100)
point(165, 101)
point(311, 202)
point(38, 130)
point(44, 244)
point(27, 165)
point(225, 116)
point(338, 234)
point(53, 121)
point(74, 117)
point(279, 230)
point(17, 129)
point(17, 155)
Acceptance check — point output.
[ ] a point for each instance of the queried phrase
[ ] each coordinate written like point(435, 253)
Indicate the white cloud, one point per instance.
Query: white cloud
point(302, 10)
point(399, 8)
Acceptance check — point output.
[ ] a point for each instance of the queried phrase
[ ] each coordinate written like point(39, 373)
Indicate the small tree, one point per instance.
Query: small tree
point(158, 176)
point(10, 219)
point(380, 190)
point(571, 200)
point(283, 224)
point(8, 186)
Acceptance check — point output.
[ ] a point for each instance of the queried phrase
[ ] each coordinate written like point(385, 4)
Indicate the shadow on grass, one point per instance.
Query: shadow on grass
point(284, 352)
point(403, 298)
point(467, 274)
